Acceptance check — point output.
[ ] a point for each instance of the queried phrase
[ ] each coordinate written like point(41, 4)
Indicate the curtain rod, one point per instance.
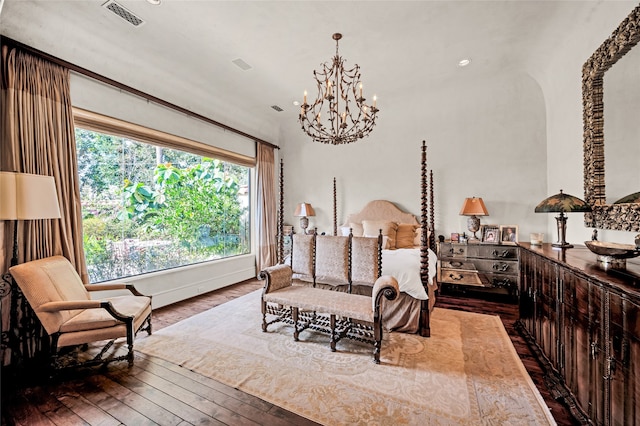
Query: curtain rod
point(73, 67)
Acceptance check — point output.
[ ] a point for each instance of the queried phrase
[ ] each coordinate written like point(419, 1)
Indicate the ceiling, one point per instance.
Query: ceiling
point(184, 51)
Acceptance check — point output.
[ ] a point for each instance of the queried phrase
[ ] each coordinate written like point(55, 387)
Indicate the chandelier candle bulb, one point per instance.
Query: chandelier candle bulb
point(305, 97)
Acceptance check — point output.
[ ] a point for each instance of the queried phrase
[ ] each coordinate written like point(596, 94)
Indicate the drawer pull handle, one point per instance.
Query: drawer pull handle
point(456, 277)
point(456, 264)
point(460, 250)
point(504, 254)
point(502, 267)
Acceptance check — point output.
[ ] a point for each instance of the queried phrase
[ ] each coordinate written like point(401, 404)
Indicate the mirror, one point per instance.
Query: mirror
point(624, 217)
point(622, 127)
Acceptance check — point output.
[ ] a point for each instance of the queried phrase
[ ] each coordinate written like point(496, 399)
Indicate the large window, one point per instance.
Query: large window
point(148, 208)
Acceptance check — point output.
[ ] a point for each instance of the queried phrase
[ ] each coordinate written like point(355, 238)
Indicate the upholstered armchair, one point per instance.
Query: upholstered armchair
point(70, 317)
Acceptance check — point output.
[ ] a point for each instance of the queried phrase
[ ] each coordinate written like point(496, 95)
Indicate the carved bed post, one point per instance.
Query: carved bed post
point(335, 209)
point(432, 228)
point(424, 327)
point(281, 217)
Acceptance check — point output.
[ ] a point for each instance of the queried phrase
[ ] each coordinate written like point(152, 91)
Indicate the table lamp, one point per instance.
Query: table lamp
point(561, 203)
point(473, 207)
point(303, 210)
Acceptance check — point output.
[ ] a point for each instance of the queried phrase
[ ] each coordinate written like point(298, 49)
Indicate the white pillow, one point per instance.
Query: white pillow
point(345, 231)
point(386, 242)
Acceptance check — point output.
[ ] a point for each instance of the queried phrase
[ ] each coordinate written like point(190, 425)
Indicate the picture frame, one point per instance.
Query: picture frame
point(508, 234)
point(490, 234)
point(455, 237)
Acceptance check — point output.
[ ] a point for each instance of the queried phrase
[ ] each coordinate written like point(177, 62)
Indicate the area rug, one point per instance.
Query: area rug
point(467, 372)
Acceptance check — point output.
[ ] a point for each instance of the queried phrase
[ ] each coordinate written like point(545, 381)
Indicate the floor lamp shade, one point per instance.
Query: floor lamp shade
point(25, 196)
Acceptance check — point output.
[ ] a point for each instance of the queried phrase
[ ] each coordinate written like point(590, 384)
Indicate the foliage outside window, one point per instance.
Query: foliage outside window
point(147, 208)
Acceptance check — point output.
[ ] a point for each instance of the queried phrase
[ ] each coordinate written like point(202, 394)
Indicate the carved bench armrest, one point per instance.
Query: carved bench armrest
point(277, 277)
point(386, 286)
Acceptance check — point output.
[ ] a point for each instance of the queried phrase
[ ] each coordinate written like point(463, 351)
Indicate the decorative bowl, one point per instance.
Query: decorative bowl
point(614, 250)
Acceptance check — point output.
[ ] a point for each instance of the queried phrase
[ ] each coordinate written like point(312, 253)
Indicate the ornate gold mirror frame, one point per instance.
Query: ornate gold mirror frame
point(624, 217)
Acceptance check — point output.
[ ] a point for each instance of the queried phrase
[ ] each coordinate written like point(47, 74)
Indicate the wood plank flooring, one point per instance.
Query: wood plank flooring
point(158, 392)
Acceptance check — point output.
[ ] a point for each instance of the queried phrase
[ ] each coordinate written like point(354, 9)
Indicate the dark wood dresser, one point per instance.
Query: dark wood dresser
point(583, 322)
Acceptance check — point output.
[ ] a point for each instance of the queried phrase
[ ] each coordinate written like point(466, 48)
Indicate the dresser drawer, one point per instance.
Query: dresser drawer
point(496, 266)
point(492, 252)
point(453, 250)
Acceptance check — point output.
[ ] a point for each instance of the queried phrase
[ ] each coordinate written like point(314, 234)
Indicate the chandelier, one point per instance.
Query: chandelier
point(339, 115)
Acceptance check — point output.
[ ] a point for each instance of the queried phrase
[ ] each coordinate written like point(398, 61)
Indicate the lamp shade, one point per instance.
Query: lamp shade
point(304, 210)
point(25, 196)
point(631, 198)
point(562, 203)
point(473, 207)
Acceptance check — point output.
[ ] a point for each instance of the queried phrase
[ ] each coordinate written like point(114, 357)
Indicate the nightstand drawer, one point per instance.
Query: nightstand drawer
point(453, 250)
point(496, 266)
point(457, 276)
point(492, 252)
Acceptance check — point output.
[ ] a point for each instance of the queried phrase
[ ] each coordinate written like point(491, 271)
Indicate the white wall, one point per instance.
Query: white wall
point(485, 138)
point(562, 86)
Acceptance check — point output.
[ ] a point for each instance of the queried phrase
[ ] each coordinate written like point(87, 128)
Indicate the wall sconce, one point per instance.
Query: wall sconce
point(473, 207)
point(561, 203)
point(303, 210)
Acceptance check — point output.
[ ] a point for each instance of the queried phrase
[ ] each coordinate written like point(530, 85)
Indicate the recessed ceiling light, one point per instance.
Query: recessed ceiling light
point(154, 2)
point(296, 103)
point(464, 62)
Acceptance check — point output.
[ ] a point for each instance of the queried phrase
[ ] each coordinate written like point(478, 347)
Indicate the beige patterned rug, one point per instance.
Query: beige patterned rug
point(467, 372)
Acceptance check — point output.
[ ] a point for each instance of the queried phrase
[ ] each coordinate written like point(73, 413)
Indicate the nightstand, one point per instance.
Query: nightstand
point(479, 267)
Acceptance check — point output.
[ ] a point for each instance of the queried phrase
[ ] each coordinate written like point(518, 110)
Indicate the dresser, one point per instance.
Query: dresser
point(583, 323)
point(478, 267)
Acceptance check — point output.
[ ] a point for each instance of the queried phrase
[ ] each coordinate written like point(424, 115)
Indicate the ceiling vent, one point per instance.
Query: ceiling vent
point(123, 13)
point(277, 108)
point(241, 64)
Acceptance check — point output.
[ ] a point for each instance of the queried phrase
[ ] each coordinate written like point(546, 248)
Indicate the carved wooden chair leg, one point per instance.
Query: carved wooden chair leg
point(264, 316)
point(332, 321)
point(294, 316)
point(377, 330)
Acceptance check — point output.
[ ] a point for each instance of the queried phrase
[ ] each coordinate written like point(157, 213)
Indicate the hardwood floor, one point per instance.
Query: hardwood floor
point(158, 392)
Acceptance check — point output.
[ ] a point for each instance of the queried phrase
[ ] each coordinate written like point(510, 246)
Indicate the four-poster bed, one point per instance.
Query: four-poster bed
point(408, 259)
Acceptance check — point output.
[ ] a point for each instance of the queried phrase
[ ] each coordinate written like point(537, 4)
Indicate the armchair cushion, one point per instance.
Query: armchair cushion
point(91, 319)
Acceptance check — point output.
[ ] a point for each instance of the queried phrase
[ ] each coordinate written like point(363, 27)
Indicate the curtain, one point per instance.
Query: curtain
point(38, 137)
point(266, 213)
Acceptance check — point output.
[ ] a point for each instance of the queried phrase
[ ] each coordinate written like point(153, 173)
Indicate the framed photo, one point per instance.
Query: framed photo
point(490, 234)
point(508, 234)
point(455, 237)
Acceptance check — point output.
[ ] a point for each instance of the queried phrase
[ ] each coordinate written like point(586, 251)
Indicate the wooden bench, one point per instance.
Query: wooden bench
point(336, 313)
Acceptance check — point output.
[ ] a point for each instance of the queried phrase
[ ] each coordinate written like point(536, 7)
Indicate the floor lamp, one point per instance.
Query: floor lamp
point(23, 196)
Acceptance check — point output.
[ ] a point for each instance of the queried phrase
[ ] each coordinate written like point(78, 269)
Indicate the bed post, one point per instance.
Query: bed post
point(424, 327)
point(280, 224)
point(335, 209)
point(432, 228)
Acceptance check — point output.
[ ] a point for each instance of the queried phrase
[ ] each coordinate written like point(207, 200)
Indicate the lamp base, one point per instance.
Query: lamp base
point(473, 225)
point(562, 245)
point(561, 222)
point(304, 224)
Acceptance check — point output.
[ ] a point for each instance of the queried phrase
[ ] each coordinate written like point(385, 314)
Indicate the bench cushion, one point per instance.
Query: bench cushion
point(347, 305)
